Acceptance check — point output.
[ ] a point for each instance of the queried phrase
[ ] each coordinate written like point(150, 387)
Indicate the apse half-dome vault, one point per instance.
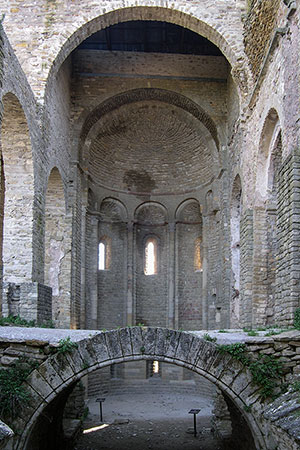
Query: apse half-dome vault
point(150, 147)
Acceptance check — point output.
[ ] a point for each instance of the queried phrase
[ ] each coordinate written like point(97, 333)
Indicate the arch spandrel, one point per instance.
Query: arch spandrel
point(188, 350)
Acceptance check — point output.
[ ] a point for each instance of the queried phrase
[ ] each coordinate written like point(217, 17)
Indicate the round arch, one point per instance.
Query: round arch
point(188, 350)
point(142, 94)
point(270, 132)
point(119, 13)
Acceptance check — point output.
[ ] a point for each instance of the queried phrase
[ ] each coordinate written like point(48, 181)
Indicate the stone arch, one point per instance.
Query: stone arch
point(58, 250)
point(113, 210)
point(61, 370)
point(151, 213)
point(142, 94)
point(188, 211)
point(17, 192)
point(235, 225)
point(269, 160)
point(267, 145)
point(232, 52)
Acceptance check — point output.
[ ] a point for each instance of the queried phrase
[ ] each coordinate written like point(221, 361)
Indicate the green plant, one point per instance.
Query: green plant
point(142, 349)
point(252, 333)
point(237, 351)
point(223, 331)
point(248, 408)
point(13, 394)
point(85, 365)
point(265, 370)
point(246, 329)
point(207, 337)
point(272, 333)
point(66, 345)
point(297, 319)
point(19, 321)
point(140, 324)
point(47, 324)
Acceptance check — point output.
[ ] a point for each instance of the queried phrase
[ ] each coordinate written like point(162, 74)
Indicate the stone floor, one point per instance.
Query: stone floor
point(158, 422)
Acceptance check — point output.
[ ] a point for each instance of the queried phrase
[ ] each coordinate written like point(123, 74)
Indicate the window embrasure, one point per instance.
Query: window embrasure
point(151, 256)
point(104, 253)
point(197, 255)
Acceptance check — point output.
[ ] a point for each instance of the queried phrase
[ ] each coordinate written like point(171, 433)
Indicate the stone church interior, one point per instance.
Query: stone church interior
point(150, 172)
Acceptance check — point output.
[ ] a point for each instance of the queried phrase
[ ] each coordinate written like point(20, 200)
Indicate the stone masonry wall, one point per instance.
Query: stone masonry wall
point(259, 27)
point(246, 267)
point(112, 282)
point(36, 344)
point(288, 272)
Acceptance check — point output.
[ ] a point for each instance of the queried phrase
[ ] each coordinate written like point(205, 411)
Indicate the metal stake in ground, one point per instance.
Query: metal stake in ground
point(100, 400)
point(195, 412)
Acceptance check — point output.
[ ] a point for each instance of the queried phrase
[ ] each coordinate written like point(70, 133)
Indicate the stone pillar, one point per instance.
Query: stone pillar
point(171, 284)
point(76, 246)
point(246, 271)
point(83, 265)
point(260, 255)
point(205, 234)
point(31, 301)
point(130, 275)
point(91, 304)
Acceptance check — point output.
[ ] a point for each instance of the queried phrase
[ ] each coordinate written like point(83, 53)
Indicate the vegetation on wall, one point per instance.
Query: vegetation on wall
point(297, 319)
point(265, 370)
point(66, 345)
point(18, 321)
point(13, 394)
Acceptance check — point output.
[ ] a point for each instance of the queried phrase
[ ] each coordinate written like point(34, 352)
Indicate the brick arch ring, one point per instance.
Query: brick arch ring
point(144, 94)
point(185, 349)
point(147, 10)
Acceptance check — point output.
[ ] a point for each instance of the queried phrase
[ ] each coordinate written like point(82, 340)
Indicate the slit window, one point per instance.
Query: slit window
point(150, 260)
point(104, 253)
point(197, 255)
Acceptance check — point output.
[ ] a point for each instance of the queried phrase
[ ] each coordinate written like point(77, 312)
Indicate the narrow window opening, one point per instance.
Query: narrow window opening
point(101, 265)
point(150, 266)
point(197, 255)
point(104, 254)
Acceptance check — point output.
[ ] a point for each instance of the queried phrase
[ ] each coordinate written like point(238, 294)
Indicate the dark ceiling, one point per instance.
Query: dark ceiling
point(150, 36)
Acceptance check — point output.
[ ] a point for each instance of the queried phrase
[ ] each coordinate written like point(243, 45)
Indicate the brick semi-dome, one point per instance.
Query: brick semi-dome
point(150, 147)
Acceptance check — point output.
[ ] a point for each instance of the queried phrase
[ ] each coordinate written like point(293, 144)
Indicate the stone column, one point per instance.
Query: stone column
point(205, 234)
point(246, 264)
point(92, 287)
point(171, 278)
point(83, 267)
point(130, 275)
